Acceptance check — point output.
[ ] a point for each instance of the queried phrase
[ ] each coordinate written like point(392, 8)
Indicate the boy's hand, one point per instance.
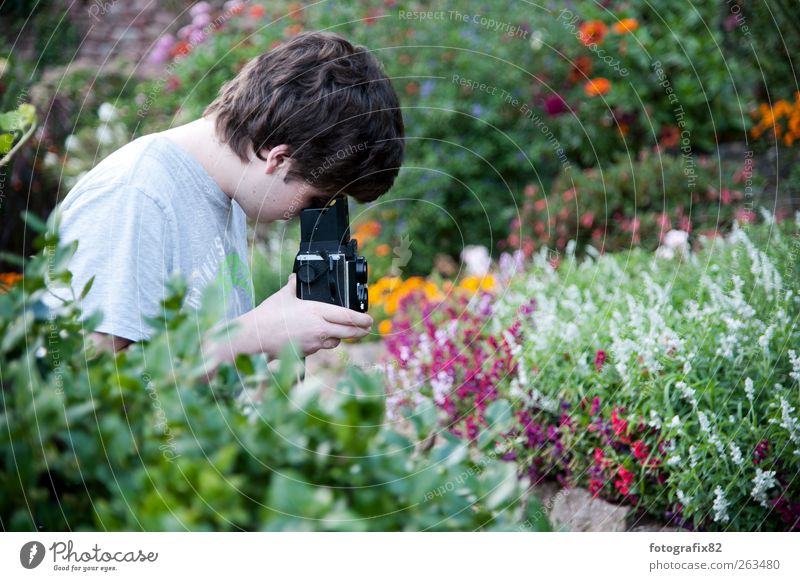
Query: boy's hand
point(311, 325)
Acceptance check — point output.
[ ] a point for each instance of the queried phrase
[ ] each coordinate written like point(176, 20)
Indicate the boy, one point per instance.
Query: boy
point(311, 119)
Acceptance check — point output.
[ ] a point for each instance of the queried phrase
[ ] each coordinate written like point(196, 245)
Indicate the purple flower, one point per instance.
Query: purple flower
point(554, 105)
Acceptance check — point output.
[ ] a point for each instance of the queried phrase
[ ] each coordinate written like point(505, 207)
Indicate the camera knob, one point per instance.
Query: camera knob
point(363, 296)
point(361, 269)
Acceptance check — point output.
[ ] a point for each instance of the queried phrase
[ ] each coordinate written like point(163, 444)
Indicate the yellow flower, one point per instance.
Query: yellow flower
point(470, 283)
point(384, 327)
point(488, 282)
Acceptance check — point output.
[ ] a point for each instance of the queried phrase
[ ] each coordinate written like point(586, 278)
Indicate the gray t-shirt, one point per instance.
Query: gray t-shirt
point(145, 212)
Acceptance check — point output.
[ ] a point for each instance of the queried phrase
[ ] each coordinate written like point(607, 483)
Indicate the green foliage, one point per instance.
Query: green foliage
point(138, 440)
point(472, 149)
point(636, 202)
point(667, 384)
point(14, 125)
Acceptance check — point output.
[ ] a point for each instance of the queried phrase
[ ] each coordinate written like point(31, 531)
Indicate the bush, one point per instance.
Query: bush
point(472, 150)
point(671, 385)
point(635, 203)
point(138, 441)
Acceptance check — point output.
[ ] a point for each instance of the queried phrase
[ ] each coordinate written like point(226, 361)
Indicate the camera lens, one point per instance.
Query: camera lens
point(361, 269)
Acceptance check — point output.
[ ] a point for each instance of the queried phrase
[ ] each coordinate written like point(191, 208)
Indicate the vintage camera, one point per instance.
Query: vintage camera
point(327, 267)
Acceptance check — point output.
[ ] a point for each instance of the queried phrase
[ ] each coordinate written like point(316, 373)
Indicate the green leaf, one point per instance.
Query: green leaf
point(87, 287)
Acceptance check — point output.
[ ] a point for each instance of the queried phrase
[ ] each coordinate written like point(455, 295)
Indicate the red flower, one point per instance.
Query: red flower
point(640, 451)
point(598, 456)
point(599, 359)
point(620, 426)
point(257, 11)
point(625, 480)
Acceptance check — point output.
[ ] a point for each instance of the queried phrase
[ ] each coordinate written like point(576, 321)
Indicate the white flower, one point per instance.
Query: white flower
point(789, 423)
point(721, 505)
point(673, 461)
point(441, 385)
point(765, 339)
point(104, 134)
point(50, 159)
point(687, 392)
point(762, 482)
point(736, 454)
point(675, 422)
point(477, 259)
point(536, 40)
point(684, 498)
point(748, 389)
point(795, 359)
point(675, 243)
point(106, 112)
point(71, 143)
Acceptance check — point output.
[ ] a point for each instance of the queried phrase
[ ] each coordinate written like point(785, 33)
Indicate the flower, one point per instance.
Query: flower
point(477, 259)
point(761, 451)
point(640, 451)
point(256, 11)
point(625, 480)
point(384, 327)
point(554, 105)
point(382, 250)
point(8, 279)
point(581, 69)
point(763, 481)
point(592, 32)
point(599, 359)
point(597, 86)
point(720, 506)
point(626, 25)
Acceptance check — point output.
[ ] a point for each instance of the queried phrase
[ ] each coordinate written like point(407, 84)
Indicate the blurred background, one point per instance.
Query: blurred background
point(529, 125)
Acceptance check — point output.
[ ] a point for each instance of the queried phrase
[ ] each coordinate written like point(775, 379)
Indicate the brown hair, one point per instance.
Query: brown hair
point(329, 101)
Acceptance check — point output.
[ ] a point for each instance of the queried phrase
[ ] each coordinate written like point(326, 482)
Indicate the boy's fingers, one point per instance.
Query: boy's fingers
point(344, 331)
point(343, 316)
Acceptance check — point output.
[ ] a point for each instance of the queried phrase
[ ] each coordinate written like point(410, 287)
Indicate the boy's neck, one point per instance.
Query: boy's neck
point(199, 140)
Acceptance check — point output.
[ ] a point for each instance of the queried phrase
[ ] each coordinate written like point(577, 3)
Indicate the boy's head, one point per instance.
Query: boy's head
point(329, 102)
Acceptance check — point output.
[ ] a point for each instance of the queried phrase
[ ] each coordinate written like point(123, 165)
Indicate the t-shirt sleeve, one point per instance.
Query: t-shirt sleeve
point(124, 242)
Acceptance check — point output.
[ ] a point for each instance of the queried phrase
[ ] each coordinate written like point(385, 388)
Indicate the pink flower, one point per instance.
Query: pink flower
point(595, 406)
point(640, 451)
point(599, 359)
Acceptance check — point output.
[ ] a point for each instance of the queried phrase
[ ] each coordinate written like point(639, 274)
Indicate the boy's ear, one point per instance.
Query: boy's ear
point(276, 158)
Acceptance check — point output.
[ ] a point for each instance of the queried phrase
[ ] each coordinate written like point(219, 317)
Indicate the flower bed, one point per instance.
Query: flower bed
point(139, 441)
point(670, 385)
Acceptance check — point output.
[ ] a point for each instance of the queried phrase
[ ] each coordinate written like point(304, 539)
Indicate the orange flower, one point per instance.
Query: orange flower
point(626, 25)
point(8, 279)
point(295, 11)
point(384, 327)
point(293, 29)
point(382, 249)
point(581, 68)
point(412, 89)
point(257, 11)
point(597, 86)
point(593, 32)
point(669, 136)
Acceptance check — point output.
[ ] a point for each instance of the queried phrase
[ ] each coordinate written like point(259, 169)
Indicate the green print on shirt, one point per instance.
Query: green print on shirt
point(233, 273)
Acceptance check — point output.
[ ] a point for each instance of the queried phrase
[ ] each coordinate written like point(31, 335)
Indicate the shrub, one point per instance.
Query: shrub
point(138, 441)
point(471, 150)
point(635, 203)
point(671, 385)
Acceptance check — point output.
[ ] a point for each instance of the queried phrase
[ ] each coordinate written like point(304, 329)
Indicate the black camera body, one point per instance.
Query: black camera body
point(327, 266)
